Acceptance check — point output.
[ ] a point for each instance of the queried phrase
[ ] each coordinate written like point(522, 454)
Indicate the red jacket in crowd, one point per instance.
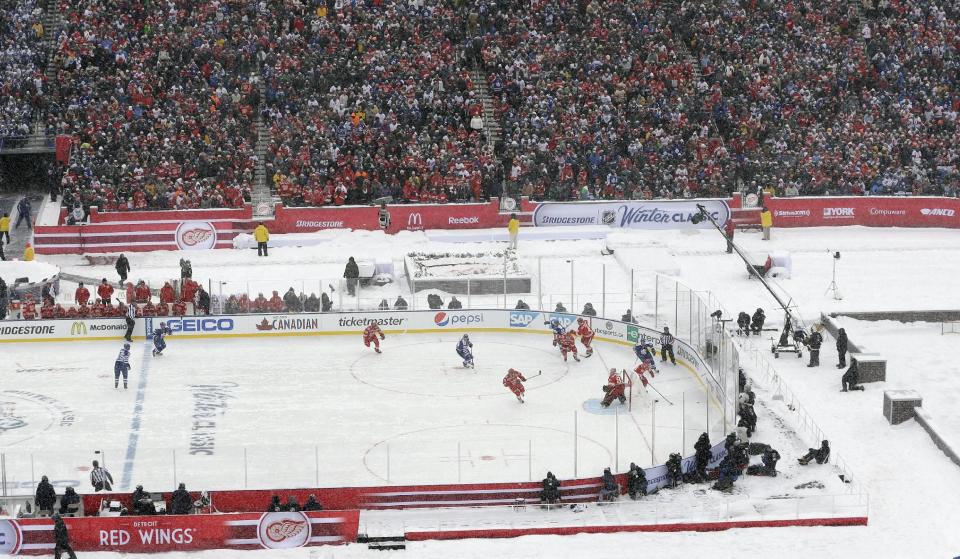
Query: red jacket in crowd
point(82, 296)
point(105, 291)
point(166, 293)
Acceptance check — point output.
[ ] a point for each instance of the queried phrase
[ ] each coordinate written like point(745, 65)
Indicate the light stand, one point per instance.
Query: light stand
point(833, 281)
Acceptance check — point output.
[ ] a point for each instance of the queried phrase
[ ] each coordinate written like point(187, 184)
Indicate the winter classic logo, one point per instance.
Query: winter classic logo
point(10, 537)
point(283, 530)
point(833, 213)
point(938, 212)
point(522, 319)
point(659, 214)
point(196, 235)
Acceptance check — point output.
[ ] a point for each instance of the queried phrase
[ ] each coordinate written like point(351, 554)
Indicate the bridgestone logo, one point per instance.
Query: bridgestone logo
point(549, 219)
point(320, 224)
point(463, 220)
point(25, 330)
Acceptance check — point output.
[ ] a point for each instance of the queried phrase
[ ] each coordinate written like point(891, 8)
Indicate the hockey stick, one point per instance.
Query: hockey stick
point(658, 392)
point(536, 375)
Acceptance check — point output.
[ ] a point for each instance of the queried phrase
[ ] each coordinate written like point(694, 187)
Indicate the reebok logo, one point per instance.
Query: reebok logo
point(463, 220)
point(838, 212)
point(938, 212)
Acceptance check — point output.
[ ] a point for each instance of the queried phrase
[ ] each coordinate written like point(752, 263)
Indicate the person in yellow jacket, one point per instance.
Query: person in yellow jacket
point(28, 253)
point(514, 228)
point(766, 222)
point(5, 228)
point(261, 235)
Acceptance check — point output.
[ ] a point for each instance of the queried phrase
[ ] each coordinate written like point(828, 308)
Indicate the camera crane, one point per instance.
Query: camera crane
point(790, 340)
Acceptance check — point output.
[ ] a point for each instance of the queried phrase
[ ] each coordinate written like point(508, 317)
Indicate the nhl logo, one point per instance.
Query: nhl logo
point(608, 217)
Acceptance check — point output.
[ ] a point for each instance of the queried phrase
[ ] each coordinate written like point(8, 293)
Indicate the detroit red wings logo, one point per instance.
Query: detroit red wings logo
point(194, 237)
point(285, 529)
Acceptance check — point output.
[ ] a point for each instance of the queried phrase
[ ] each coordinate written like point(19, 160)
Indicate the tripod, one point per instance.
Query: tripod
point(833, 282)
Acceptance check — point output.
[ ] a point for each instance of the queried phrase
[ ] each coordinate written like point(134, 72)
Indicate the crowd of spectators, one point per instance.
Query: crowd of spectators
point(22, 60)
point(373, 99)
point(615, 99)
point(160, 99)
point(812, 100)
point(597, 101)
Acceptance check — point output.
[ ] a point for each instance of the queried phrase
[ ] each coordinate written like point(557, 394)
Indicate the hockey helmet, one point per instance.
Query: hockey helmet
point(126, 346)
point(163, 325)
point(466, 336)
point(581, 320)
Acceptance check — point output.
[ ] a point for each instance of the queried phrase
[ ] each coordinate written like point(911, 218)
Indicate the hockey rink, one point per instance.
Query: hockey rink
point(327, 411)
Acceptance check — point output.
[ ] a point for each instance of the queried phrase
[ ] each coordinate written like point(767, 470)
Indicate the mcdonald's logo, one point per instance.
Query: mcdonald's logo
point(415, 219)
point(78, 328)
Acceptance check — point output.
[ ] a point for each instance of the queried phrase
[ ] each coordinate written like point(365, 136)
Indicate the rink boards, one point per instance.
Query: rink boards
point(333, 324)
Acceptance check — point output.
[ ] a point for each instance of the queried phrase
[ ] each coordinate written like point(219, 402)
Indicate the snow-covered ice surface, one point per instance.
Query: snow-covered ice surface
point(212, 407)
point(912, 485)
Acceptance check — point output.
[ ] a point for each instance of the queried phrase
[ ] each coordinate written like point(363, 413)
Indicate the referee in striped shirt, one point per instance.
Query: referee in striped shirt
point(100, 478)
point(131, 319)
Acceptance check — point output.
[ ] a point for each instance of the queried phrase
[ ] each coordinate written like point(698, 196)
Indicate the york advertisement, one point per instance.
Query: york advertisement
point(632, 214)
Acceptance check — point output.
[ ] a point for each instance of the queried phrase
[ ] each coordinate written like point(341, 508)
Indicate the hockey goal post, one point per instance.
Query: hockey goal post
point(950, 327)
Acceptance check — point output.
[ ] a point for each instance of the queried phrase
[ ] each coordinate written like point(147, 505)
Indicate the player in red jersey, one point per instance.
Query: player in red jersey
point(586, 335)
point(370, 334)
point(614, 389)
point(642, 370)
point(568, 344)
point(513, 381)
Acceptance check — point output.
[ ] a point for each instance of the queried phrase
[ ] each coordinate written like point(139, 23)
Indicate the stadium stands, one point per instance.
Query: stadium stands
point(611, 99)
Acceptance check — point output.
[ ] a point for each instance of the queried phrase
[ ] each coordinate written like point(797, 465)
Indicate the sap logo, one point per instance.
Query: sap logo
point(565, 320)
point(838, 212)
point(522, 319)
point(442, 319)
point(938, 212)
point(201, 325)
point(473, 220)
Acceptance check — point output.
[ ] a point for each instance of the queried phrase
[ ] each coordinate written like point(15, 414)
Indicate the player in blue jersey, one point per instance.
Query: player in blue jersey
point(644, 351)
point(158, 342)
point(558, 331)
point(465, 351)
point(122, 366)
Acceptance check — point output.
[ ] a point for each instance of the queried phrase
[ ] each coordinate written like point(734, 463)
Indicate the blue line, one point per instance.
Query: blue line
point(137, 413)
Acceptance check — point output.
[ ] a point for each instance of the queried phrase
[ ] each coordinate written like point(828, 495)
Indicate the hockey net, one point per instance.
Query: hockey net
point(632, 380)
point(950, 327)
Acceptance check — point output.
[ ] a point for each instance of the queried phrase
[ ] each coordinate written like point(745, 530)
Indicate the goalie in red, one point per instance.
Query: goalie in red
point(586, 335)
point(568, 344)
point(514, 381)
point(370, 334)
point(614, 389)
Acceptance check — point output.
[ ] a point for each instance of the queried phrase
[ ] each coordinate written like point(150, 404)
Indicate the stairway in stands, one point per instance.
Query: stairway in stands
point(52, 24)
point(262, 197)
point(491, 126)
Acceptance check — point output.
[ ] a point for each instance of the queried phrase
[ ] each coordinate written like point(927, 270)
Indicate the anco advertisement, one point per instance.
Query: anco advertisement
point(155, 534)
point(631, 214)
point(871, 211)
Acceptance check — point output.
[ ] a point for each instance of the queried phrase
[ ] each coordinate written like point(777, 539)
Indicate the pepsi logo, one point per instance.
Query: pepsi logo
point(441, 319)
